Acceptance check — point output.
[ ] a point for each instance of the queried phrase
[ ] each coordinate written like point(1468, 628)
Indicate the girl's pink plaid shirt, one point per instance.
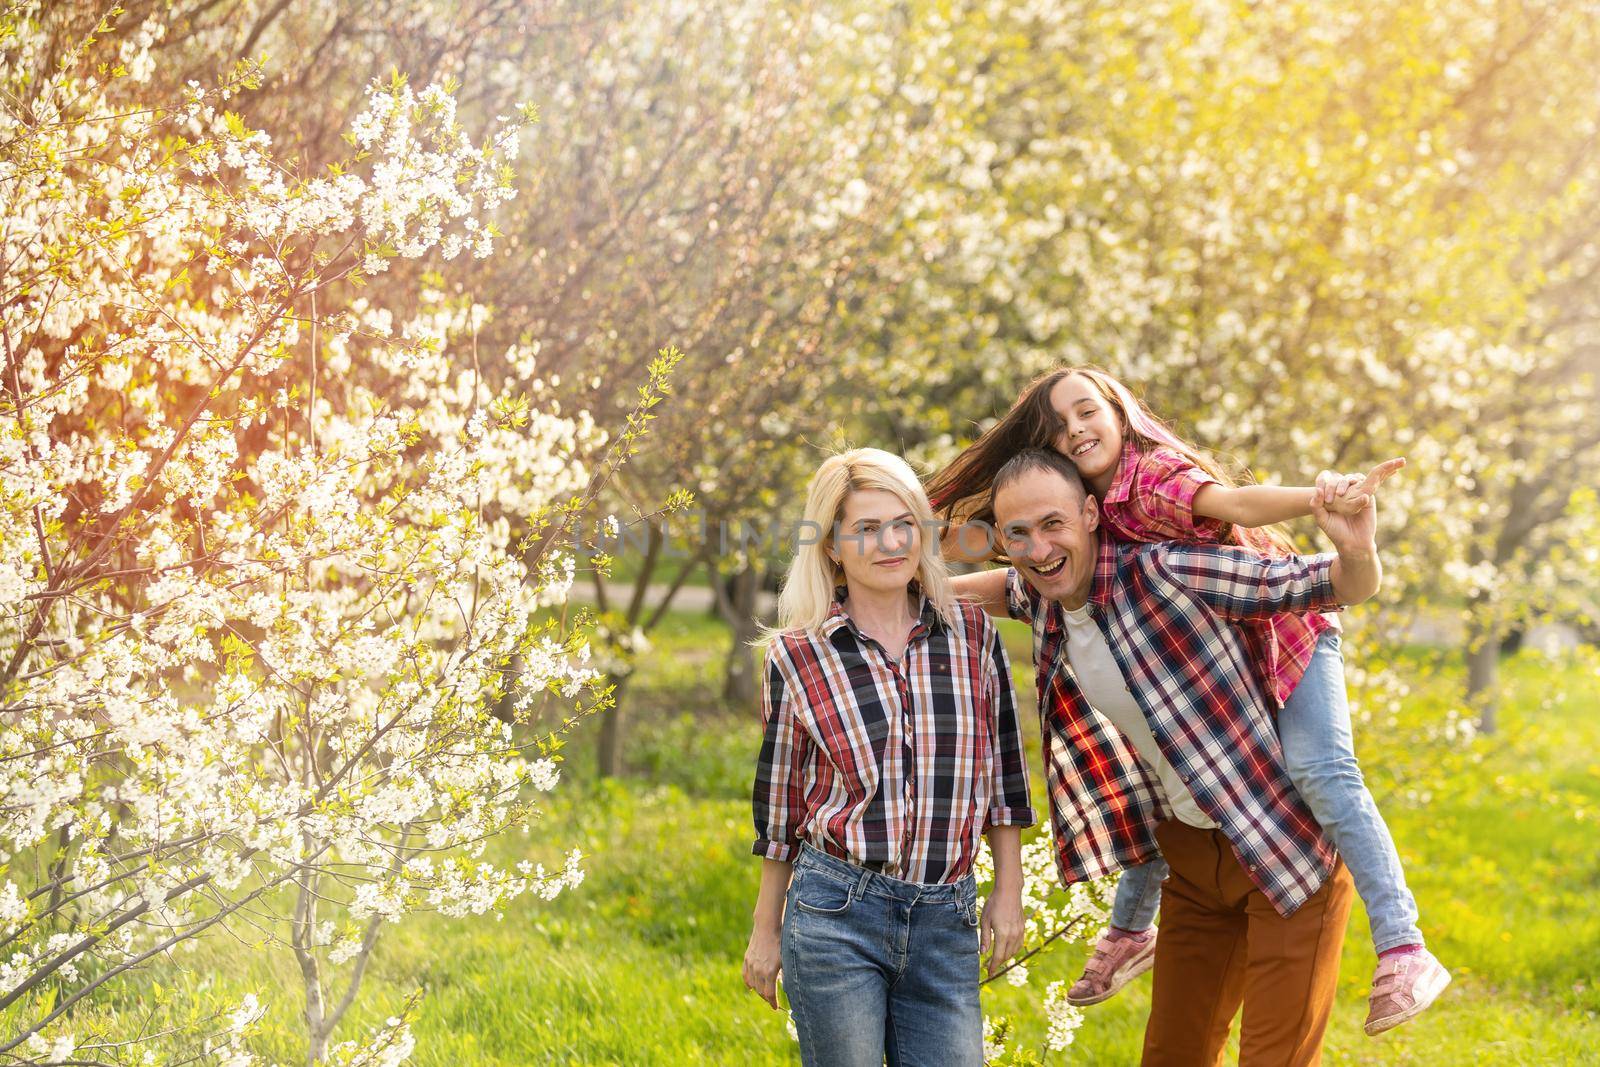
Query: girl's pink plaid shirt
point(1152, 500)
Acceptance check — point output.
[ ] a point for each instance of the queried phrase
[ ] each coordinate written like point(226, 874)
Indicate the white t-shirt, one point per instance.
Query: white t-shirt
point(1106, 690)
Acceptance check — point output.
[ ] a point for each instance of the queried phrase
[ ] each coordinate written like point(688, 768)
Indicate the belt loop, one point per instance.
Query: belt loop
point(860, 889)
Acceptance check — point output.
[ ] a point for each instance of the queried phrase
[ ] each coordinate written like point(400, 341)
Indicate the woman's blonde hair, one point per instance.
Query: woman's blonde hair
point(808, 589)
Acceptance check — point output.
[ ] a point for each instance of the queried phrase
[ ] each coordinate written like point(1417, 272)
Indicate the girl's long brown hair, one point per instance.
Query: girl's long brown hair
point(960, 492)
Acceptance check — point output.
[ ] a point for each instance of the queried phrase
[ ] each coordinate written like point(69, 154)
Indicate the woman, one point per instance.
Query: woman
point(891, 743)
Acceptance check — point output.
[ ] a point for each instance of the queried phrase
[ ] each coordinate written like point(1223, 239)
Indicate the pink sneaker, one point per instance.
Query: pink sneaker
point(1403, 987)
point(1117, 960)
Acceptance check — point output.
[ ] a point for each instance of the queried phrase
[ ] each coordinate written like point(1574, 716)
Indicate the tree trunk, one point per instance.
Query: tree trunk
point(727, 583)
point(612, 726)
point(315, 1010)
point(505, 708)
point(740, 686)
point(1483, 674)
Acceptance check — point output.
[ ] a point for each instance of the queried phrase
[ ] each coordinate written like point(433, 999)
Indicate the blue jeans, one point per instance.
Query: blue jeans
point(1138, 896)
point(877, 967)
point(1319, 755)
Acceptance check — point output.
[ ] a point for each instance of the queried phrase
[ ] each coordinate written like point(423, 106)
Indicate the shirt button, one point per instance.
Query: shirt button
point(1252, 868)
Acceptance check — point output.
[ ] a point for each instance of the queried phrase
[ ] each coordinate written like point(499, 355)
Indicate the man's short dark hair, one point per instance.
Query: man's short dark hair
point(1037, 459)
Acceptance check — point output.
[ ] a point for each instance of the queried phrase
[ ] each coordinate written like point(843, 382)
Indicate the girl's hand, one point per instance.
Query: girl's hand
point(762, 961)
point(1352, 533)
point(1335, 492)
point(1350, 494)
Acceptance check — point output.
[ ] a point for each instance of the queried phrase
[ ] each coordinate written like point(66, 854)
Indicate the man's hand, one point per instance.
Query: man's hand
point(1000, 930)
point(1357, 572)
point(1350, 496)
point(762, 961)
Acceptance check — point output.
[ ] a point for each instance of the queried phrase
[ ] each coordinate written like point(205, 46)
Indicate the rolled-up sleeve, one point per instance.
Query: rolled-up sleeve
point(1010, 803)
point(779, 795)
point(1160, 503)
point(1241, 584)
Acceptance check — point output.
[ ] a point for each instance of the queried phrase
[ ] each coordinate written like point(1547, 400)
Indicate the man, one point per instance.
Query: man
point(1157, 735)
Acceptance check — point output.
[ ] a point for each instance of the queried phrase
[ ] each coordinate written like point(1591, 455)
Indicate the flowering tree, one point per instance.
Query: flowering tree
point(1054, 916)
point(266, 539)
point(721, 169)
point(1312, 238)
point(1384, 217)
point(708, 174)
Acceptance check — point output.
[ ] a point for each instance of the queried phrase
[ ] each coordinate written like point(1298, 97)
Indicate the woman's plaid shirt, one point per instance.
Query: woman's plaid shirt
point(894, 766)
point(1166, 610)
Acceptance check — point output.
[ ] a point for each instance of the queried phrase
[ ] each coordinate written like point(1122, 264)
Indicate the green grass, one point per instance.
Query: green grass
point(641, 964)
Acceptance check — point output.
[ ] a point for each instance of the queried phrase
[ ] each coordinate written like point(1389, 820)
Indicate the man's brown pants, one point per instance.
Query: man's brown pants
point(1222, 942)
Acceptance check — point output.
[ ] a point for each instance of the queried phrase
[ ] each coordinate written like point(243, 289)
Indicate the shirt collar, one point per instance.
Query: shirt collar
point(838, 619)
point(1105, 571)
point(1122, 485)
point(1052, 616)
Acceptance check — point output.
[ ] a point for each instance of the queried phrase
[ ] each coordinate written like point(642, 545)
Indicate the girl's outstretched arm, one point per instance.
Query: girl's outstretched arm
point(1263, 505)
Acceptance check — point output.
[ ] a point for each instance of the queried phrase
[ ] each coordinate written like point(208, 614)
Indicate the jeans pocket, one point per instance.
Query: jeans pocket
point(821, 895)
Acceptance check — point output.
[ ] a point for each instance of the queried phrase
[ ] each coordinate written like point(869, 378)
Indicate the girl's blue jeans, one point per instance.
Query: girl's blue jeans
point(876, 968)
point(1319, 754)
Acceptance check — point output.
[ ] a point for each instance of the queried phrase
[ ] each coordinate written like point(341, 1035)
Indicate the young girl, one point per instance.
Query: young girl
point(891, 743)
point(1153, 486)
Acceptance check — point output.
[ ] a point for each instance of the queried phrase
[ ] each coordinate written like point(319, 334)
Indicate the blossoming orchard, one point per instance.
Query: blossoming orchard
point(406, 413)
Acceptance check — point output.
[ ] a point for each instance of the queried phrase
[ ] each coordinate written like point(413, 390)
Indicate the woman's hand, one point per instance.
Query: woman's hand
point(762, 961)
point(764, 957)
point(1000, 931)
